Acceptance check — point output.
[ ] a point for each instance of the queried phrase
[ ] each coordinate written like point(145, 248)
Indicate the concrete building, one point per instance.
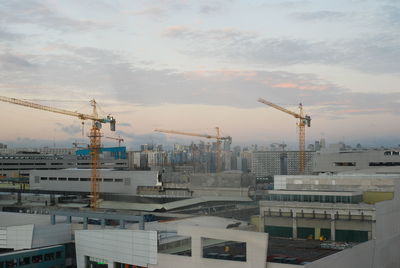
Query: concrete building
point(78, 180)
point(362, 161)
point(270, 163)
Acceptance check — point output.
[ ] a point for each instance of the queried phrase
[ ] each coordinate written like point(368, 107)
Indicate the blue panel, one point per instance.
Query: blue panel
point(116, 152)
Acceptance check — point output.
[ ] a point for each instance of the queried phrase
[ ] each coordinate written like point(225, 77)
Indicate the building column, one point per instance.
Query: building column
point(333, 227)
point(373, 228)
point(121, 224)
point(52, 219)
point(261, 224)
point(85, 223)
point(294, 225)
point(103, 223)
point(141, 223)
point(110, 264)
point(69, 219)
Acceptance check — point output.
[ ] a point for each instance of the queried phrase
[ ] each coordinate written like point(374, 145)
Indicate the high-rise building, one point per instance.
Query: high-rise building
point(270, 163)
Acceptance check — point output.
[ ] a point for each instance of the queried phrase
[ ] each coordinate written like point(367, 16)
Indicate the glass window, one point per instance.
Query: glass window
point(37, 259)
point(49, 256)
point(11, 263)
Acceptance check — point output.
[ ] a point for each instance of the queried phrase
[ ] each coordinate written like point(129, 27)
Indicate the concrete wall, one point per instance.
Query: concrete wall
point(222, 180)
point(128, 185)
point(256, 246)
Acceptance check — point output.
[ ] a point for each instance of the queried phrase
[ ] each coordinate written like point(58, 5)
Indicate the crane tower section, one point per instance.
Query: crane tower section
point(304, 120)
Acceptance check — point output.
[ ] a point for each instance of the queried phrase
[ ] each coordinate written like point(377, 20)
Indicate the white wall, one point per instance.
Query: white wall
point(47, 235)
point(135, 247)
point(20, 237)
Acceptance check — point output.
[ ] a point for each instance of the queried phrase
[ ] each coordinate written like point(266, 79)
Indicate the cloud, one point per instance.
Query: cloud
point(37, 13)
point(69, 129)
point(389, 15)
point(378, 53)
point(9, 36)
point(149, 11)
point(118, 81)
point(319, 15)
point(13, 62)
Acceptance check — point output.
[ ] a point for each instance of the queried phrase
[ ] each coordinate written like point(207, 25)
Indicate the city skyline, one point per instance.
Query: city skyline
point(192, 66)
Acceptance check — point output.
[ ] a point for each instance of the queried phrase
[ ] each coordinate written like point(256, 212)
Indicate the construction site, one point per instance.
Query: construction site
point(199, 205)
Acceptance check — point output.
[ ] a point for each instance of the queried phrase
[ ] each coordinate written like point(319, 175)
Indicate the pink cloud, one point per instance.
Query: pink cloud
point(300, 86)
point(361, 111)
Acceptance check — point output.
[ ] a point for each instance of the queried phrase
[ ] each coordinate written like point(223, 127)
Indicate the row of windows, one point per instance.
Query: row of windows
point(314, 198)
point(22, 261)
point(384, 164)
point(345, 164)
point(81, 179)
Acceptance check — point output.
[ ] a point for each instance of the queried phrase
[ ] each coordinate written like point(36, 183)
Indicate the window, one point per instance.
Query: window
point(11, 263)
point(52, 178)
point(37, 258)
point(72, 179)
point(58, 254)
point(384, 164)
point(108, 180)
point(118, 180)
point(24, 261)
point(43, 178)
point(224, 250)
point(49, 256)
point(56, 164)
point(84, 179)
point(345, 164)
point(62, 179)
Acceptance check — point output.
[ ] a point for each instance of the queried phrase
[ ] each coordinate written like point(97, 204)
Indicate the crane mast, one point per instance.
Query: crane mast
point(94, 135)
point(217, 137)
point(303, 121)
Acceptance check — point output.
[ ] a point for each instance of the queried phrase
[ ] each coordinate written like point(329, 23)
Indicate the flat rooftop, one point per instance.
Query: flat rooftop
point(304, 250)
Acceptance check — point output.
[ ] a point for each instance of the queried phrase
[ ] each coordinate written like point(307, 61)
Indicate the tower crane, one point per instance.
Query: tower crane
point(303, 121)
point(119, 139)
point(94, 135)
point(217, 137)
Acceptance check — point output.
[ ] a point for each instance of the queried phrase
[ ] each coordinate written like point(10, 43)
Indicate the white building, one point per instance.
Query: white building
point(78, 180)
point(362, 161)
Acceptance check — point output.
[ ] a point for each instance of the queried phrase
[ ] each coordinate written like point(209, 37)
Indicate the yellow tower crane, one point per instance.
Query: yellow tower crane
point(94, 135)
point(217, 137)
point(119, 139)
point(303, 121)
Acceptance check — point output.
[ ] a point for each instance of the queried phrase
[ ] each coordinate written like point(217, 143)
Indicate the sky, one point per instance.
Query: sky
point(194, 65)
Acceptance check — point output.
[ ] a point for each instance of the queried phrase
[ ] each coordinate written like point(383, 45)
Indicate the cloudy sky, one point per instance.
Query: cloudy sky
point(194, 65)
